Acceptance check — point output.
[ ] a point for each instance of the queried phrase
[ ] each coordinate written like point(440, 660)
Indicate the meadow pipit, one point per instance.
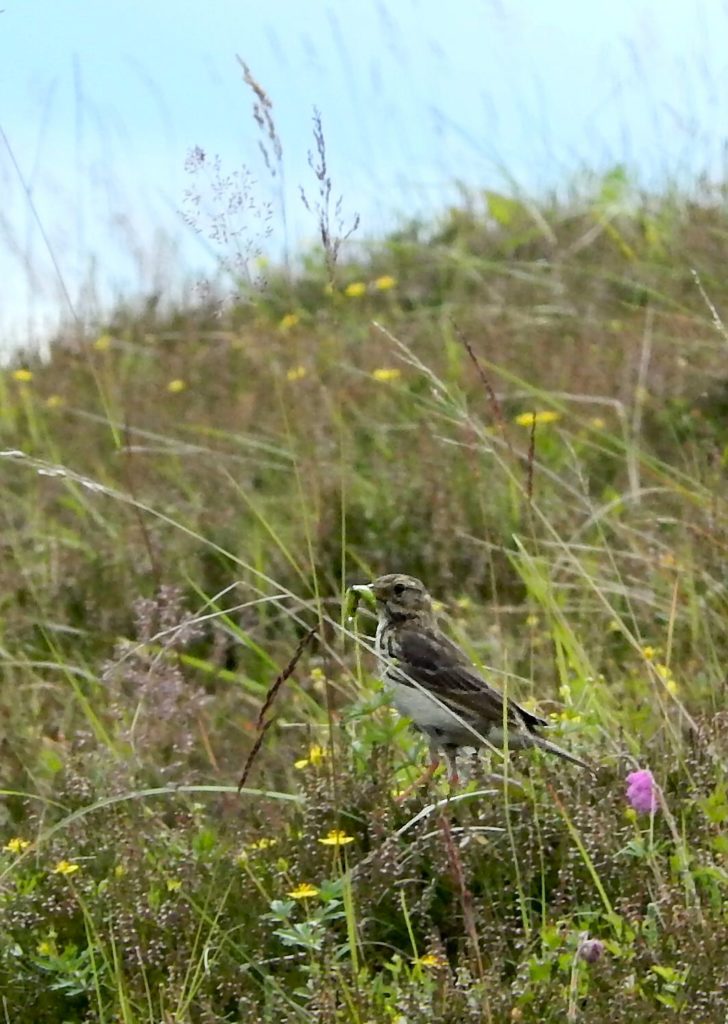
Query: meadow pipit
point(434, 683)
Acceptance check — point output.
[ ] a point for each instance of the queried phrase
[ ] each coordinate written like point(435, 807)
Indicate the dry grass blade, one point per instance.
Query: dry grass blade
point(262, 730)
point(466, 900)
point(497, 408)
point(262, 725)
point(333, 235)
point(263, 115)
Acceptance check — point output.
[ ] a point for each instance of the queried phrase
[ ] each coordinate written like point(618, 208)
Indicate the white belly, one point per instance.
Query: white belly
point(432, 718)
point(422, 709)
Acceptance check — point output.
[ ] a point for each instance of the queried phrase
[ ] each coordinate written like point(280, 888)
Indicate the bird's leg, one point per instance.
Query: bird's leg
point(424, 777)
point(451, 759)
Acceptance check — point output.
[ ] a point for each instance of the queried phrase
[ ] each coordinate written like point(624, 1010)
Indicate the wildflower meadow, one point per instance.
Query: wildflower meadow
point(524, 406)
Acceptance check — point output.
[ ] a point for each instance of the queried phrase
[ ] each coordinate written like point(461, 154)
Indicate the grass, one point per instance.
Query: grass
point(186, 495)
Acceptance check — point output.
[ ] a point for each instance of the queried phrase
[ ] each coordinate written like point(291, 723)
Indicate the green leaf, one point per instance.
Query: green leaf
point(669, 974)
point(204, 842)
point(615, 186)
point(715, 806)
point(50, 760)
point(539, 970)
point(504, 210)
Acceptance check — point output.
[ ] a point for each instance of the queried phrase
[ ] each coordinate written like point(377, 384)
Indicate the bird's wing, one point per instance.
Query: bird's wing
point(437, 664)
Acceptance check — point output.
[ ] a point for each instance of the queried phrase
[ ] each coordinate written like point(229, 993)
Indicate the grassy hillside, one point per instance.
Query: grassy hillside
point(527, 408)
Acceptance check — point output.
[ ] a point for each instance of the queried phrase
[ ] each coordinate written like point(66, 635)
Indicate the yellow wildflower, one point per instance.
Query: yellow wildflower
point(119, 871)
point(264, 843)
point(54, 401)
point(103, 343)
point(318, 678)
point(667, 678)
point(649, 652)
point(304, 891)
point(288, 321)
point(65, 867)
point(316, 754)
point(176, 385)
point(566, 715)
point(336, 838)
point(16, 845)
point(386, 374)
point(525, 419)
point(297, 373)
point(173, 885)
point(385, 283)
point(46, 947)
point(530, 704)
point(532, 621)
point(430, 960)
point(597, 422)
point(23, 376)
point(464, 603)
point(355, 290)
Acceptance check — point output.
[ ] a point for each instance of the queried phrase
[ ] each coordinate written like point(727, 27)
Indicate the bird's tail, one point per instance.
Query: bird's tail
point(552, 748)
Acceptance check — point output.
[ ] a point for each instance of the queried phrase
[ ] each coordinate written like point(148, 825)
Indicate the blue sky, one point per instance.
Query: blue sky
point(100, 103)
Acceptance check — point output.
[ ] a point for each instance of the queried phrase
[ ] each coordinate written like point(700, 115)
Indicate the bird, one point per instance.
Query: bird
point(435, 684)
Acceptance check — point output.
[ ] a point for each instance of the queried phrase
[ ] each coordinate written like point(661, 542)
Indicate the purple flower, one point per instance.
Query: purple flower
point(642, 791)
point(591, 950)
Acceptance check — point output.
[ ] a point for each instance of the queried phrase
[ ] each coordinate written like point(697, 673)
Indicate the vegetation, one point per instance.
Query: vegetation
point(188, 492)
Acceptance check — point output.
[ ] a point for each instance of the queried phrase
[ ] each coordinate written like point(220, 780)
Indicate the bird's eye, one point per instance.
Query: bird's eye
point(398, 589)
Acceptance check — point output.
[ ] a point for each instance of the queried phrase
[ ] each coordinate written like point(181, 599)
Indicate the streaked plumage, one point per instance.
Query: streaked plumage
point(435, 684)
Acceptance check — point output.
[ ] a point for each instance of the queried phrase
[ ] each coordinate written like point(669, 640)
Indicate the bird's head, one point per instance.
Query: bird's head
point(399, 597)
